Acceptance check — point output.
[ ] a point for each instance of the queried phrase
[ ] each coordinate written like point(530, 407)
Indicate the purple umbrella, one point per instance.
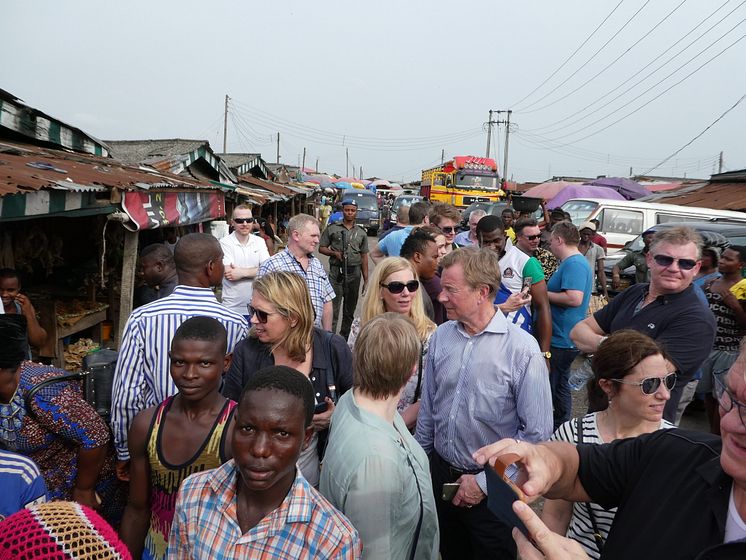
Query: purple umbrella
point(628, 188)
point(583, 191)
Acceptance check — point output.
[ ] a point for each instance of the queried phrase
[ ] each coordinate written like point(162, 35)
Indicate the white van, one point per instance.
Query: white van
point(623, 220)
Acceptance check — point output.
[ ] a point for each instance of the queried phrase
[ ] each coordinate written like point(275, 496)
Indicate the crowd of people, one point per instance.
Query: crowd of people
point(245, 426)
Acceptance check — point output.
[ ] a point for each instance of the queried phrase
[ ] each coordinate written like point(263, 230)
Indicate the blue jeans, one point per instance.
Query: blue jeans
point(559, 373)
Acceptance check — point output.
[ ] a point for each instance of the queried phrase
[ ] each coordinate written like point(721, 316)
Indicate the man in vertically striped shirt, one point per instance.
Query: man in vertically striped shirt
point(142, 377)
point(484, 377)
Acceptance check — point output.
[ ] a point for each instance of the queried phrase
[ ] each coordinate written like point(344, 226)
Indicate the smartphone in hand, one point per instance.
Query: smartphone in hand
point(527, 281)
point(449, 490)
point(501, 493)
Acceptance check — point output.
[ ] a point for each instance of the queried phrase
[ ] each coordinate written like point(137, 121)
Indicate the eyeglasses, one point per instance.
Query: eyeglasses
point(398, 287)
point(726, 400)
point(650, 385)
point(665, 260)
point(533, 237)
point(261, 316)
point(448, 229)
point(244, 220)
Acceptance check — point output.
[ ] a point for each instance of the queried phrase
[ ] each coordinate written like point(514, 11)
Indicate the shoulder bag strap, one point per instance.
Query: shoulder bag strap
point(596, 533)
point(422, 507)
point(329, 378)
point(418, 388)
point(29, 398)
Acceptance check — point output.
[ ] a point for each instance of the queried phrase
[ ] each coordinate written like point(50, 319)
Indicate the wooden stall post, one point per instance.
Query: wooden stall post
point(129, 266)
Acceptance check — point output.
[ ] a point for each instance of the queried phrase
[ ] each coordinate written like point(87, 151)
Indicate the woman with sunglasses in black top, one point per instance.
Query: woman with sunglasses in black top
point(632, 379)
point(282, 333)
point(394, 287)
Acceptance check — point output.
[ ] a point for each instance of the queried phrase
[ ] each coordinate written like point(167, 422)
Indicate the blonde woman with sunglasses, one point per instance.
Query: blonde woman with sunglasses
point(283, 334)
point(394, 287)
point(631, 383)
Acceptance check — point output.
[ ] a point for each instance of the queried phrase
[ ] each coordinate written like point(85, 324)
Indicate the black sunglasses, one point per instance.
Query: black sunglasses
point(533, 237)
point(665, 260)
point(650, 385)
point(448, 229)
point(398, 287)
point(244, 220)
point(261, 316)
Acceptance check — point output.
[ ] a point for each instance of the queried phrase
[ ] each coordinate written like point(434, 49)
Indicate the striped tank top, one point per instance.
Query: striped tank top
point(166, 478)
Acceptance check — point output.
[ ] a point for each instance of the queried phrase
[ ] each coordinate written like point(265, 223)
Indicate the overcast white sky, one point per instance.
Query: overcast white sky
point(395, 81)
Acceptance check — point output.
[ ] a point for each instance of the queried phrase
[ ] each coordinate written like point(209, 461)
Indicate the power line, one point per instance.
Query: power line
point(708, 127)
point(561, 66)
point(605, 68)
point(643, 93)
point(549, 129)
point(590, 59)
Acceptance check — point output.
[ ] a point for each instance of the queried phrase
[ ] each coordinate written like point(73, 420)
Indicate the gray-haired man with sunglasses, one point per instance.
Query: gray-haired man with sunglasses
point(667, 309)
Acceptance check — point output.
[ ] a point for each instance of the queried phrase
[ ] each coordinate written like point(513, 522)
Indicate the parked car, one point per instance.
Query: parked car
point(718, 234)
point(367, 210)
point(403, 200)
point(623, 220)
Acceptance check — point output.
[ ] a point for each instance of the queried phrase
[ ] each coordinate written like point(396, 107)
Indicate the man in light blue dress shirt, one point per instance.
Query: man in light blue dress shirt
point(484, 378)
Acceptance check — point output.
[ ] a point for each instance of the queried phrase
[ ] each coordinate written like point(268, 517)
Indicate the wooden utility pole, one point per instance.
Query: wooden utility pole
point(506, 122)
point(347, 158)
point(225, 126)
point(303, 165)
point(489, 135)
point(720, 163)
point(317, 165)
point(278, 148)
point(442, 156)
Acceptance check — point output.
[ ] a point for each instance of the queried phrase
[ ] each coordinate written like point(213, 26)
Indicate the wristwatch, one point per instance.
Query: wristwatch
point(547, 355)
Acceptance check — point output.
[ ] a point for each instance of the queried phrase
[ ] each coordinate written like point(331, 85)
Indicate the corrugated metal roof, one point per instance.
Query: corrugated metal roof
point(27, 168)
point(718, 196)
point(271, 187)
point(37, 126)
point(144, 151)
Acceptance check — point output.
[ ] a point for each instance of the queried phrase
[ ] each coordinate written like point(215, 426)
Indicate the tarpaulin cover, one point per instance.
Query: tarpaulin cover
point(150, 210)
point(583, 191)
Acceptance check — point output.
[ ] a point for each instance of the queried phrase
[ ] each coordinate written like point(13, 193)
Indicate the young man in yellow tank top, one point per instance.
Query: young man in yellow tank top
point(185, 434)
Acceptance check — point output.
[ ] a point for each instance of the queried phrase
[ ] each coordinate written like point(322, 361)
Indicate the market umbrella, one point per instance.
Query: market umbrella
point(371, 187)
point(582, 191)
point(381, 183)
point(357, 185)
point(628, 188)
point(343, 185)
point(349, 179)
point(322, 179)
point(548, 190)
point(364, 182)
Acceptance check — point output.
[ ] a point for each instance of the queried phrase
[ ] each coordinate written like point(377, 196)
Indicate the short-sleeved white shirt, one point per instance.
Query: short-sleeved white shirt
point(237, 294)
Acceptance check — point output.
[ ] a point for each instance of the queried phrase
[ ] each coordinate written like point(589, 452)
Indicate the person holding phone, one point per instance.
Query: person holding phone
point(374, 470)
point(282, 333)
point(631, 383)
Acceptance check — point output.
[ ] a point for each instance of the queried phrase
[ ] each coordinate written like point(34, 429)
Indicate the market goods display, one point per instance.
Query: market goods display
point(75, 352)
point(70, 312)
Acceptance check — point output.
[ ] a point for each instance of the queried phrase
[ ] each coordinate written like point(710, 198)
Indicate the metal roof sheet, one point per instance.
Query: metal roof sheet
point(266, 185)
point(718, 196)
point(28, 168)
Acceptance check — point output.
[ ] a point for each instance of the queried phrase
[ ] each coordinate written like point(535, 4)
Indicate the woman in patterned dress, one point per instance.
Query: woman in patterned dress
point(57, 428)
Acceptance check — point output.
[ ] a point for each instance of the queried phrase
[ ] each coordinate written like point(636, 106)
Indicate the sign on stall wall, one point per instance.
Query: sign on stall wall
point(149, 210)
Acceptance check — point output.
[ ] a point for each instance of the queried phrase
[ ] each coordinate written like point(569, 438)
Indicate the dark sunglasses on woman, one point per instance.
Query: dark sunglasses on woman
point(665, 260)
point(398, 287)
point(260, 315)
point(650, 385)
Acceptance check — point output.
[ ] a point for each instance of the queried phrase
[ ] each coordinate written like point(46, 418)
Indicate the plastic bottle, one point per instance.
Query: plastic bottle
point(580, 375)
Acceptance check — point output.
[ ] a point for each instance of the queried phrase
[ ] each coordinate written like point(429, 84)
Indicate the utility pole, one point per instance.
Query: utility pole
point(720, 163)
point(303, 166)
point(507, 140)
point(317, 165)
point(278, 149)
point(225, 126)
point(347, 159)
point(442, 156)
point(361, 172)
point(506, 122)
point(489, 135)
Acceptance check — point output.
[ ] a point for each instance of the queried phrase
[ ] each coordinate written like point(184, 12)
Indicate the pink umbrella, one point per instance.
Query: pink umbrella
point(348, 180)
point(548, 190)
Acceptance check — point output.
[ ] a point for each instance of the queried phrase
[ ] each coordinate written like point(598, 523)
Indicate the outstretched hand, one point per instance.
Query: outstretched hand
point(546, 544)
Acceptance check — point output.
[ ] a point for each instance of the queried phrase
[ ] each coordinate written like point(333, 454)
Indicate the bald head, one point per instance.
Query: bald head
point(197, 256)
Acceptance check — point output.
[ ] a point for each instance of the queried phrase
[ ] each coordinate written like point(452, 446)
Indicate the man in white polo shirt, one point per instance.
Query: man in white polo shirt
point(243, 253)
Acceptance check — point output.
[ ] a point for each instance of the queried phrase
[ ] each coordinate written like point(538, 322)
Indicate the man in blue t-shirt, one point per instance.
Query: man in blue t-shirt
point(21, 482)
point(390, 246)
point(569, 294)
